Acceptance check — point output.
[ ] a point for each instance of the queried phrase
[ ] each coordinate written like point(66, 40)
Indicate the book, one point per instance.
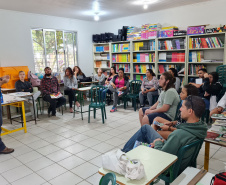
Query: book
point(208, 42)
point(56, 96)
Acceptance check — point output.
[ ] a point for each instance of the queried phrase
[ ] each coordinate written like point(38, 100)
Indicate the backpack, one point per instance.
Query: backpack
point(219, 179)
point(35, 81)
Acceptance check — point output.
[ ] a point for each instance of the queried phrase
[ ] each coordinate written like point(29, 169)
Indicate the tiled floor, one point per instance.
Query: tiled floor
point(67, 151)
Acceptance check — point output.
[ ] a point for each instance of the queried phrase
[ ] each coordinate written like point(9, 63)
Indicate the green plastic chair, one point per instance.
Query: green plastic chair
point(221, 70)
point(177, 111)
point(133, 93)
point(109, 177)
point(97, 101)
point(184, 160)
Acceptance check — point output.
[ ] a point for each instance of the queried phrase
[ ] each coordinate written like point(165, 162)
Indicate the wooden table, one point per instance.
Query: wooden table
point(155, 163)
point(16, 102)
point(189, 173)
point(5, 90)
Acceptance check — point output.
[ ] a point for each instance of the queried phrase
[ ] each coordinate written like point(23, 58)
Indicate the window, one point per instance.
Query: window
point(53, 48)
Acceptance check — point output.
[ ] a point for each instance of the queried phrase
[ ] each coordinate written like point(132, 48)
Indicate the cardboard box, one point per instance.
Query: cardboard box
point(166, 33)
point(196, 30)
point(179, 32)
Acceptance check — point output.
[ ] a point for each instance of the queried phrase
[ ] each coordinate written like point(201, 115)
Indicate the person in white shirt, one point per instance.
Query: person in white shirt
point(221, 107)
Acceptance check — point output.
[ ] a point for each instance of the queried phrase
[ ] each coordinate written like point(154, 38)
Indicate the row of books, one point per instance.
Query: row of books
point(102, 57)
point(126, 67)
point(139, 77)
point(172, 57)
point(208, 42)
point(103, 64)
point(142, 68)
point(196, 56)
point(193, 69)
point(144, 57)
point(102, 48)
point(164, 68)
point(145, 45)
point(172, 44)
point(121, 58)
point(120, 47)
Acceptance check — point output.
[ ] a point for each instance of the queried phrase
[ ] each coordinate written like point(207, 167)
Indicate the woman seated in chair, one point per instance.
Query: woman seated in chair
point(119, 86)
point(170, 126)
point(173, 72)
point(70, 84)
point(100, 77)
point(149, 88)
point(79, 75)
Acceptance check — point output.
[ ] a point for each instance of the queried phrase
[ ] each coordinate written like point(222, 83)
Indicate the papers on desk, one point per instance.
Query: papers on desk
point(56, 96)
point(219, 116)
point(11, 99)
point(20, 94)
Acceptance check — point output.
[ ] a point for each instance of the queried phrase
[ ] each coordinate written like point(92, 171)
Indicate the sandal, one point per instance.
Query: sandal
point(77, 104)
point(7, 151)
point(71, 110)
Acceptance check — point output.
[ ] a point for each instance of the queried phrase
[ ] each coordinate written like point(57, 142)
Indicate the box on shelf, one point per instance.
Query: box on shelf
point(216, 30)
point(166, 33)
point(179, 32)
point(195, 30)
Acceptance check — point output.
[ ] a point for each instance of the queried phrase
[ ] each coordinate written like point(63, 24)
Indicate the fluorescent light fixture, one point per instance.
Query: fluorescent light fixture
point(96, 6)
point(145, 6)
point(142, 2)
point(96, 17)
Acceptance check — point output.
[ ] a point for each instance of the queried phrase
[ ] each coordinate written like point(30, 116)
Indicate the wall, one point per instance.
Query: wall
point(212, 13)
point(16, 44)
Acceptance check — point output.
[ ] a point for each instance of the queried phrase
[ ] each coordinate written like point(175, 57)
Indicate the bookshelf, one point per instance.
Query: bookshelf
point(137, 55)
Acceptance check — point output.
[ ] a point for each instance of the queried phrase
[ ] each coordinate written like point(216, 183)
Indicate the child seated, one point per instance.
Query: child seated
point(170, 126)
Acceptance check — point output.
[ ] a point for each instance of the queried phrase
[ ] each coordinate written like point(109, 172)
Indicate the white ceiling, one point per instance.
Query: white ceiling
point(83, 9)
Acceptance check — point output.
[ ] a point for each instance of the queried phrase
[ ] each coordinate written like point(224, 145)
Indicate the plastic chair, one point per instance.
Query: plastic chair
point(184, 160)
point(109, 177)
point(221, 70)
point(97, 101)
point(133, 93)
point(177, 111)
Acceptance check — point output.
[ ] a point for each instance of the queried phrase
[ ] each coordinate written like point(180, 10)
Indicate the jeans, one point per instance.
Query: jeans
point(2, 146)
point(207, 103)
point(54, 103)
point(115, 95)
point(145, 134)
point(148, 95)
point(103, 94)
point(71, 96)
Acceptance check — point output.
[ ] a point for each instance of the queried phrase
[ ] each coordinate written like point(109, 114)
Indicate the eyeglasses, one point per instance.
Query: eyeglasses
point(189, 98)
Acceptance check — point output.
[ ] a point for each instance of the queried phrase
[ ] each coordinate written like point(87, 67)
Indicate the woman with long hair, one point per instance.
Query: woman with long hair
point(78, 73)
point(173, 72)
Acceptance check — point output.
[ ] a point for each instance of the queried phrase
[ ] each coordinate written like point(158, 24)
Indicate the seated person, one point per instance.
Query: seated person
point(49, 85)
point(100, 77)
point(166, 105)
point(25, 86)
point(192, 130)
point(169, 127)
point(119, 86)
point(211, 87)
point(149, 88)
point(3, 148)
point(79, 75)
point(70, 84)
point(221, 107)
point(173, 72)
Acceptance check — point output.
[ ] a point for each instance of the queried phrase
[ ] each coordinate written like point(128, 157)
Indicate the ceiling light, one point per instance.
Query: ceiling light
point(145, 6)
point(142, 2)
point(96, 17)
point(96, 6)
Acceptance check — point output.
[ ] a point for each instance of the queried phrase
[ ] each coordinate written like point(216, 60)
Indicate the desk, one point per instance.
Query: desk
point(88, 83)
point(189, 173)
point(16, 102)
point(155, 163)
point(5, 91)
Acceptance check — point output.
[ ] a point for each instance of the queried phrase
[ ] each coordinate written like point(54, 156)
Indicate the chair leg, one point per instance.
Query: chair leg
point(62, 110)
point(74, 110)
point(105, 113)
point(94, 113)
point(135, 105)
point(89, 115)
point(102, 114)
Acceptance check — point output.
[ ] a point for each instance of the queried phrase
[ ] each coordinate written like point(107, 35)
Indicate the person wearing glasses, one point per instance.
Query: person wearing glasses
point(167, 103)
point(119, 86)
point(191, 130)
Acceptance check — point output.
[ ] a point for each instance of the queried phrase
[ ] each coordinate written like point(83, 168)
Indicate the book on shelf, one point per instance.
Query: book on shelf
point(120, 58)
point(120, 47)
point(172, 57)
point(139, 77)
point(196, 56)
point(193, 69)
point(103, 64)
point(144, 57)
point(102, 48)
point(207, 42)
point(172, 44)
point(142, 68)
point(145, 45)
point(163, 67)
point(126, 67)
point(102, 57)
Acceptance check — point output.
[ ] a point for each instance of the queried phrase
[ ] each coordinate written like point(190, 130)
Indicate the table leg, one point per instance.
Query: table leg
point(33, 101)
point(206, 158)
point(24, 118)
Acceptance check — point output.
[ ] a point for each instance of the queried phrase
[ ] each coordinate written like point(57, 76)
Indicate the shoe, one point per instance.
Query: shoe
point(7, 151)
point(49, 111)
point(77, 104)
point(53, 115)
point(114, 109)
point(71, 110)
point(141, 106)
point(120, 93)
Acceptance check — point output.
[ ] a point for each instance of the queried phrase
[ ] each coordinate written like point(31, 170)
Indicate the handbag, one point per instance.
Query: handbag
point(213, 102)
point(219, 179)
point(35, 81)
point(86, 79)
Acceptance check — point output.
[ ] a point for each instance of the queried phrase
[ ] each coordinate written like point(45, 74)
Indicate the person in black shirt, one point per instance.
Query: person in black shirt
point(25, 86)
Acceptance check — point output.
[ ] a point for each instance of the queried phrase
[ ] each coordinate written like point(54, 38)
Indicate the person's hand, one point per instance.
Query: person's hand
point(142, 91)
point(75, 73)
point(158, 139)
point(145, 92)
point(148, 111)
point(206, 94)
point(4, 80)
point(165, 127)
point(121, 89)
point(107, 83)
point(113, 85)
point(206, 75)
point(220, 109)
point(224, 113)
point(169, 124)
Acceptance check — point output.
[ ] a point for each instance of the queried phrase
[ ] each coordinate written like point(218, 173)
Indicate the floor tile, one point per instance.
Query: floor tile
point(33, 179)
point(219, 155)
point(90, 142)
point(39, 163)
point(3, 181)
point(68, 134)
point(91, 133)
point(48, 149)
point(75, 148)
point(88, 154)
point(79, 138)
point(97, 161)
point(38, 144)
point(115, 141)
point(51, 172)
point(16, 173)
point(64, 143)
point(5, 158)
point(83, 183)
point(216, 165)
point(82, 171)
point(103, 147)
point(71, 162)
point(94, 179)
point(67, 178)
point(21, 150)
point(59, 155)
point(28, 157)
point(9, 164)
point(54, 139)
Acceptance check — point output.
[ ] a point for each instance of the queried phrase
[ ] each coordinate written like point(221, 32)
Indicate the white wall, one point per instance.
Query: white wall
point(16, 44)
point(212, 13)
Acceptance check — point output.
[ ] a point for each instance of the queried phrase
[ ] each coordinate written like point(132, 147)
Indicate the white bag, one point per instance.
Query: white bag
point(135, 170)
point(213, 102)
point(115, 161)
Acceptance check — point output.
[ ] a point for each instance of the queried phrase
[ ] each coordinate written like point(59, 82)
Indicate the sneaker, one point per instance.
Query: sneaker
point(113, 109)
point(120, 93)
point(141, 106)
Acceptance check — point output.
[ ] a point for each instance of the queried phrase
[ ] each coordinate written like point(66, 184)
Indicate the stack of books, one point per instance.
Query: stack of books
point(142, 68)
point(146, 45)
point(172, 44)
point(172, 57)
point(121, 47)
point(209, 42)
point(126, 67)
point(193, 69)
point(121, 58)
point(196, 56)
point(144, 57)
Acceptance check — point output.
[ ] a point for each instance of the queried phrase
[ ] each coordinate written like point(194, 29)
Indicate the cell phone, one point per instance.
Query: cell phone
point(158, 124)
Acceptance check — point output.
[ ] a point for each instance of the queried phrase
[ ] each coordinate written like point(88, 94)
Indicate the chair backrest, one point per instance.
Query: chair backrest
point(221, 70)
point(107, 178)
point(96, 94)
point(177, 111)
point(185, 158)
point(135, 86)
